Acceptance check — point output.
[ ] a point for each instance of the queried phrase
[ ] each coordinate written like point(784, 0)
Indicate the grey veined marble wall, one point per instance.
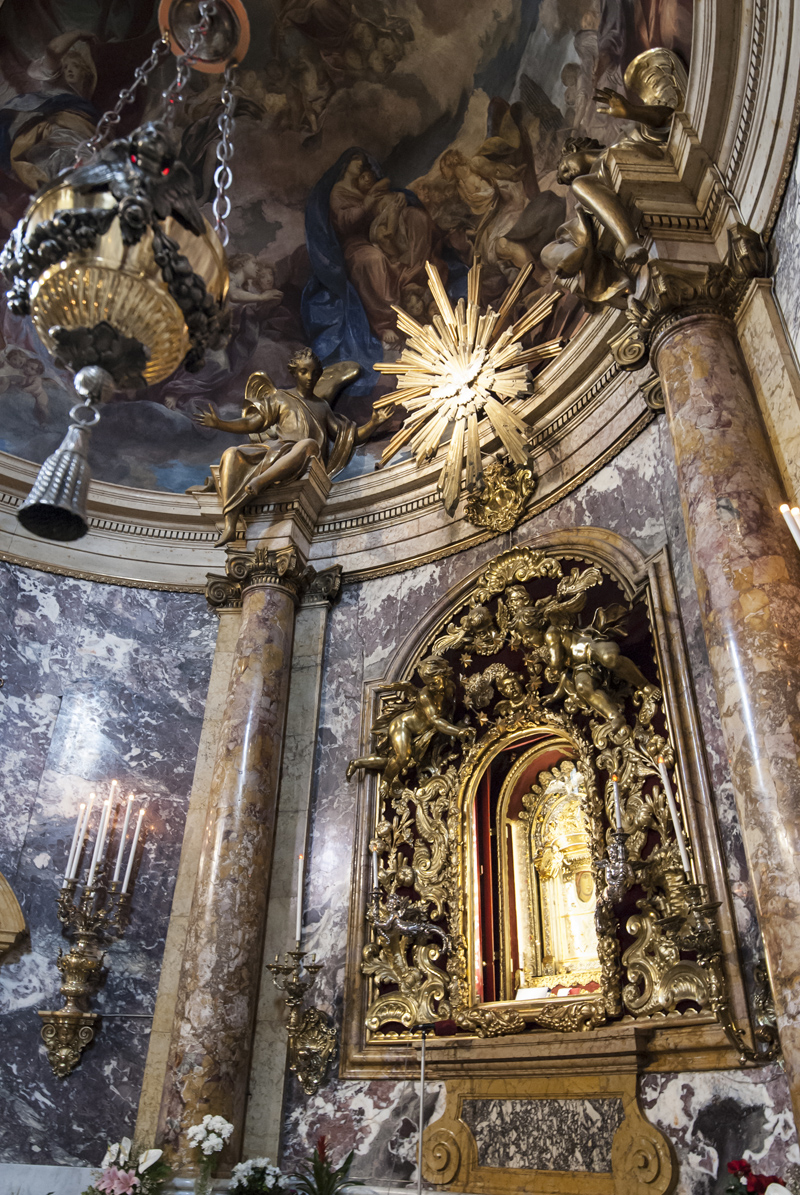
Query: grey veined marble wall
point(636, 496)
point(101, 682)
point(785, 247)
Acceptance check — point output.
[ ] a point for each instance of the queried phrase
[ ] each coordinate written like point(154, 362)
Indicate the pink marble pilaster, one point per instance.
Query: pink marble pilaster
point(747, 572)
point(212, 1034)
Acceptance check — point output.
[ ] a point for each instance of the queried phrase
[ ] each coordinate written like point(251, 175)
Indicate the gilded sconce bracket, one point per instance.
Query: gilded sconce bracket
point(312, 1040)
point(67, 1031)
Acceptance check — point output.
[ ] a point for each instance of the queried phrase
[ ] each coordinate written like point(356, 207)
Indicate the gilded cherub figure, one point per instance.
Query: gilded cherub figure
point(577, 657)
point(597, 254)
point(286, 428)
point(404, 732)
point(475, 631)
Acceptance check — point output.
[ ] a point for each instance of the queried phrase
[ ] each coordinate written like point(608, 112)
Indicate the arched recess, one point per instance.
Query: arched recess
point(12, 920)
point(413, 947)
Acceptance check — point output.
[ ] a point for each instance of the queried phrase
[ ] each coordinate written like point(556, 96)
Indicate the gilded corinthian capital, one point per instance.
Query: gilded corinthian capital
point(669, 290)
point(283, 567)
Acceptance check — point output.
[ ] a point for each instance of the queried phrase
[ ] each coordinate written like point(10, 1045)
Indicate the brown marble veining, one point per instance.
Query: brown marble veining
point(747, 572)
point(215, 1011)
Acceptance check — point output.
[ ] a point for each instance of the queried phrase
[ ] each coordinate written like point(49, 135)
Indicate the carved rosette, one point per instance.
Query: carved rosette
point(563, 678)
point(283, 567)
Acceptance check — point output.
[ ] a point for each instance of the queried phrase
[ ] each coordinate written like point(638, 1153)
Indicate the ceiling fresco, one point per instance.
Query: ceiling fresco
point(370, 137)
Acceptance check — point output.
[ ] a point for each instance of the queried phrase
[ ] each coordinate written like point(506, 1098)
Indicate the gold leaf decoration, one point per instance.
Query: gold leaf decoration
point(462, 367)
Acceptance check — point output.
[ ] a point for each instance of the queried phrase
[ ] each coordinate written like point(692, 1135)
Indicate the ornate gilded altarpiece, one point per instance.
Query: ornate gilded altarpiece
point(543, 919)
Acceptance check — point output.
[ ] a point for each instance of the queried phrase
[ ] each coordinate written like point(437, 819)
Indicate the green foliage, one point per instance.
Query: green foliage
point(318, 1176)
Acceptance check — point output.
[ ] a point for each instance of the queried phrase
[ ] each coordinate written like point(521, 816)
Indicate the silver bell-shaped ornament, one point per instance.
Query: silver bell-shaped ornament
point(56, 506)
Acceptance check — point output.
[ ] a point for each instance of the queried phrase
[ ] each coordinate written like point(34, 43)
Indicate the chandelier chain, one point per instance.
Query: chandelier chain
point(223, 176)
point(173, 95)
point(112, 117)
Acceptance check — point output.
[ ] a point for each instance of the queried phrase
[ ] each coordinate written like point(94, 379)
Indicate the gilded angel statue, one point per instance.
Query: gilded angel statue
point(598, 253)
point(577, 657)
point(286, 429)
point(404, 732)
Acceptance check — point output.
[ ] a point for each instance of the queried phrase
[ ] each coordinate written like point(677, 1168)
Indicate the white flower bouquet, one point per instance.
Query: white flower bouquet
point(208, 1138)
point(258, 1177)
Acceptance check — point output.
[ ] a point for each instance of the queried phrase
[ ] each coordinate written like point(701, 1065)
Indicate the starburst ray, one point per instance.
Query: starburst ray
point(463, 365)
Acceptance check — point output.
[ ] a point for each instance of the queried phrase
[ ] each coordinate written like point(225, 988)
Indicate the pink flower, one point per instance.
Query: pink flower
point(118, 1182)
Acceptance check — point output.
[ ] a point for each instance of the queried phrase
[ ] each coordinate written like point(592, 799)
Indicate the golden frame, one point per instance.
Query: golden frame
point(674, 1042)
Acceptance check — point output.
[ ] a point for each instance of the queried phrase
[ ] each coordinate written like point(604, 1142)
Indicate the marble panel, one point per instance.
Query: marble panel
point(785, 249)
point(101, 682)
point(44, 1180)
point(713, 1118)
point(635, 495)
point(572, 1134)
point(379, 1120)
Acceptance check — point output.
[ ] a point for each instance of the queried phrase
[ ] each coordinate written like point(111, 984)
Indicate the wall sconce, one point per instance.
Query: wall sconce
point(98, 913)
point(312, 1040)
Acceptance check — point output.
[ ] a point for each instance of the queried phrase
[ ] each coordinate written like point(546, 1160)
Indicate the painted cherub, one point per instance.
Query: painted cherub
point(404, 732)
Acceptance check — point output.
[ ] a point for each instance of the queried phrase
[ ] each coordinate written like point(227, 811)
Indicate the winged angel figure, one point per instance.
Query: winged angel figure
point(286, 428)
point(403, 732)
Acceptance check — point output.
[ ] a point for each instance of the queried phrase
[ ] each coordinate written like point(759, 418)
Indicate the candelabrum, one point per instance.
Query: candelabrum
point(312, 1040)
point(692, 919)
point(95, 915)
point(617, 870)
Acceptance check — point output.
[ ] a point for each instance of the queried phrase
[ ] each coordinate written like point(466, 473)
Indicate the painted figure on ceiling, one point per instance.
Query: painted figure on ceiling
point(368, 243)
point(46, 112)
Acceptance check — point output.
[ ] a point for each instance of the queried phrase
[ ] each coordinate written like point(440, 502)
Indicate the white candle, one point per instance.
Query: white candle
point(791, 522)
point(71, 856)
point(374, 869)
point(120, 852)
point(617, 802)
point(99, 841)
point(76, 858)
point(676, 821)
point(795, 513)
point(299, 932)
point(129, 868)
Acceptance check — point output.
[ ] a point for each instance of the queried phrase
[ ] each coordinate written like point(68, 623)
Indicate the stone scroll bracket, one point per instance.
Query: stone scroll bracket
point(549, 1135)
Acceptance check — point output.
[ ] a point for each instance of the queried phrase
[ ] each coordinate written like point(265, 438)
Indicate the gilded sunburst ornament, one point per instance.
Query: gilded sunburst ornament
point(463, 366)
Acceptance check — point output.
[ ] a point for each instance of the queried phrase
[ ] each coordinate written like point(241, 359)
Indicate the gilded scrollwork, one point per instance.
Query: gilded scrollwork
point(534, 653)
point(502, 499)
point(490, 1022)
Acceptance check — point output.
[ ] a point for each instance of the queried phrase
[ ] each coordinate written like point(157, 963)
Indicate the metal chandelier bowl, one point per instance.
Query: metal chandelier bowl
point(120, 284)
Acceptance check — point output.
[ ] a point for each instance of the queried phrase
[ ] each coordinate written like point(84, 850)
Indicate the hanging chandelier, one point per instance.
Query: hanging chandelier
point(122, 275)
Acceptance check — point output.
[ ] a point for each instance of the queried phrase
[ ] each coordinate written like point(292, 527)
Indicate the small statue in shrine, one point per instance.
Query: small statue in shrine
point(404, 732)
point(286, 428)
point(598, 253)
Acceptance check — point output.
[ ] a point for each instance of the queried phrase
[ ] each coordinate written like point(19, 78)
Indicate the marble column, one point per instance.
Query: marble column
point(270, 1042)
point(211, 1042)
point(747, 572)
